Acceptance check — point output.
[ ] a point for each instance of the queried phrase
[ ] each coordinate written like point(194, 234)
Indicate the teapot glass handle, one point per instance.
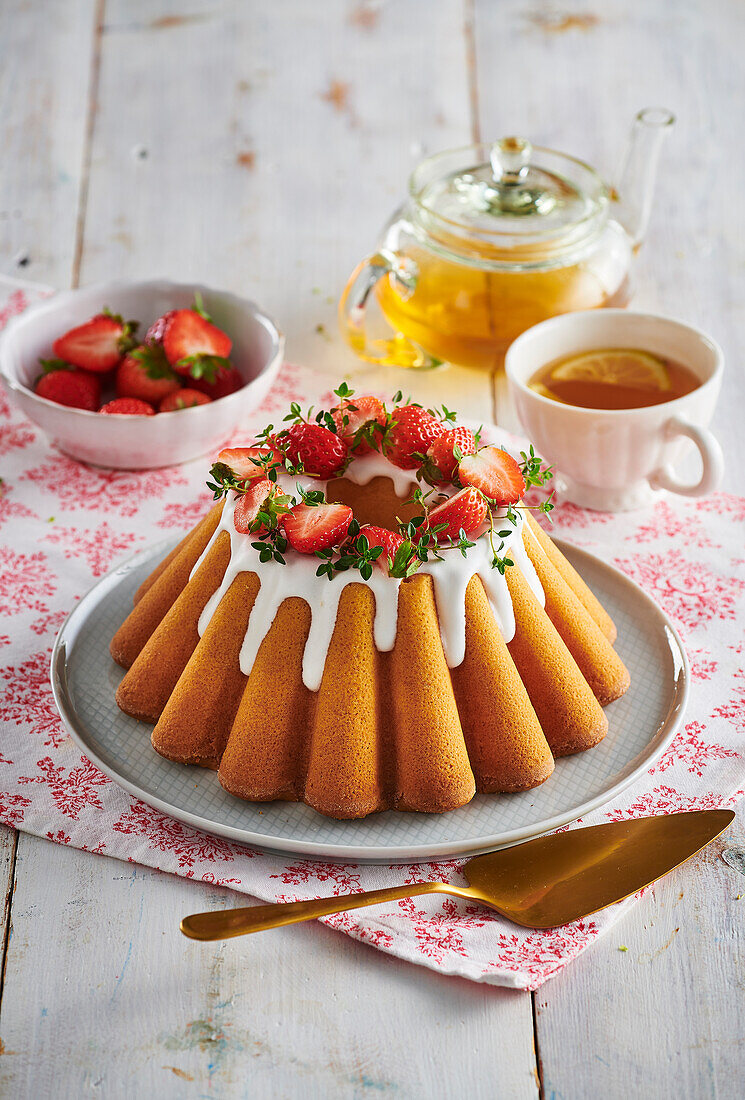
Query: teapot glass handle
point(393, 348)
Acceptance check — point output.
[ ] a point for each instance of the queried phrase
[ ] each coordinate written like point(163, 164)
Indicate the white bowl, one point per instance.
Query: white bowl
point(140, 442)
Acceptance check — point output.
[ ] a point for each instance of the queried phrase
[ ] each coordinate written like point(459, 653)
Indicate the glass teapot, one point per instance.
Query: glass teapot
point(494, 239)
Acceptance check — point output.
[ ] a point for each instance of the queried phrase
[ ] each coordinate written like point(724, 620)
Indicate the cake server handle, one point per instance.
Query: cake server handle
point(222, 924)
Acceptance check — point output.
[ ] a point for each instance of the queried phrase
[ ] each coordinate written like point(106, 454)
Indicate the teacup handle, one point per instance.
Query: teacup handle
point(396, 350)
point(712, 461)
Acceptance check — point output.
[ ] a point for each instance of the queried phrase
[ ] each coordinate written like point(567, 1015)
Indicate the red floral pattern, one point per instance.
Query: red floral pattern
point(184, 516)
point(164, 834)
point(690, 592)
point(71, 792)
point(120, 492)
point(690, 748)
point(62, 524)
point(15, 436)
point(12, 807)
point(24, 580)
point(27, 699)
point(665, 522)
point(100, 547)
point(11, 509)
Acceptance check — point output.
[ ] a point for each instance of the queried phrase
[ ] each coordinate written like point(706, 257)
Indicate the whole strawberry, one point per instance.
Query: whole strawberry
point(317, 449)
point(99, 344)
point(191, 343)
point(446, 451)
point(356, 420)
point(68, 386)
point(127, 406)
point(226, 381)
point(182, 399)
point(411, 431)
point(145, 373)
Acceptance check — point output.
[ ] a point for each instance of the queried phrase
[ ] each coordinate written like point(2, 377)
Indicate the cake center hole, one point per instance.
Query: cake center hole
point(374, 503)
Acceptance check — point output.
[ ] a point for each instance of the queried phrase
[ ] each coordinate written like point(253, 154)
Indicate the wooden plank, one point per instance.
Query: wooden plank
point(46, 59)
point(103, 993)
point(657, 1020)
point(8, 841)
point(263, 147)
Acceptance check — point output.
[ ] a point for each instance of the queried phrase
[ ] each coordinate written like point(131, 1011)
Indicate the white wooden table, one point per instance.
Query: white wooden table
point(259, 145)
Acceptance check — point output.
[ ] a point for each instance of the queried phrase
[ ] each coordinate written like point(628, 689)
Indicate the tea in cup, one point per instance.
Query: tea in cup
point(612, 399)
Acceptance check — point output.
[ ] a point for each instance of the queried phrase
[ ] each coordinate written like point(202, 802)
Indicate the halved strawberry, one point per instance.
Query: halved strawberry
point(391, 543)
point(68, 386)
point(240, 460)
point(145, 373)
point(193, 345)
point(127, 406)
point(320, 451)
point(441, 453)
point(411, 431)
point(465, 511)
point(250, 503)
point(355, 418)
point(226, 381)
point(317, 527)
point(495, 473)
point(98, 345)
point(183, 399)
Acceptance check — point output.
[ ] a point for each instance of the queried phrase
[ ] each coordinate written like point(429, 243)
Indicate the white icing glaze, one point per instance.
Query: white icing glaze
point(450, 578)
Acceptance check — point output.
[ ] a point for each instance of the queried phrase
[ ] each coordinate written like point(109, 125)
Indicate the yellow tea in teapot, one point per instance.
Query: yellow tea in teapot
point(461, 314)
point(614, 378)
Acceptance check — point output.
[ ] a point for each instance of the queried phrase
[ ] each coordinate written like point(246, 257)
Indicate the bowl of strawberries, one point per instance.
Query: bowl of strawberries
point(138, 375)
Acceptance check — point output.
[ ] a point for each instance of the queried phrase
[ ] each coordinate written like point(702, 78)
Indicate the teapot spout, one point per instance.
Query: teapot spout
point(636, 187)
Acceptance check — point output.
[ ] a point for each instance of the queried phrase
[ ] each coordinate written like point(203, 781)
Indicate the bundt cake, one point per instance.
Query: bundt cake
point(369, 618)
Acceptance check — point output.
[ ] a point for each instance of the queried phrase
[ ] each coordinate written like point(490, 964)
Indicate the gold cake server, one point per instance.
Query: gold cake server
point(540, 884)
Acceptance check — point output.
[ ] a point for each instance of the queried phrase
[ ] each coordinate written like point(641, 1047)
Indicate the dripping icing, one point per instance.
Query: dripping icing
point(450, 578)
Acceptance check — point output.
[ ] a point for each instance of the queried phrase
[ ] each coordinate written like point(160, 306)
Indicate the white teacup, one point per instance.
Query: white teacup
point(614, 460)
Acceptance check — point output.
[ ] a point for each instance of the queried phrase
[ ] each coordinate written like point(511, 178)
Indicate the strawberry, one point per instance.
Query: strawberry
point(182, 399)
point(495, 473)
point(67, 386)
point(355, 419)
point(99, 344)
point(317, 527)
point(145, 373)
point(465, 511)
point(239, 459)
point(391, 543)
point(443, 462)
point(320, 451)
point(411, 431)
point(128, 406)
point(192, 344)
point(227, 381)
point(250, 503)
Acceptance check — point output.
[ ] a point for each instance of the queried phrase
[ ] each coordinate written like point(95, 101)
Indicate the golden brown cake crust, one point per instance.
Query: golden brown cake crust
point(384, 730)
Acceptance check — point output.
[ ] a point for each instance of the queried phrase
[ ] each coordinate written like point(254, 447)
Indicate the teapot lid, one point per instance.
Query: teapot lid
point(511, 194)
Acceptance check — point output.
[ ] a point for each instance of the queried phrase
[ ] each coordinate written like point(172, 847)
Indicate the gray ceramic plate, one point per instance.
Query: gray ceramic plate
point(642, 724)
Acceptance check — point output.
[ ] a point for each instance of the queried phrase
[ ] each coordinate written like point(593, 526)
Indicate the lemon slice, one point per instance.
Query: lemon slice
point(544, 391)
point(615, 367)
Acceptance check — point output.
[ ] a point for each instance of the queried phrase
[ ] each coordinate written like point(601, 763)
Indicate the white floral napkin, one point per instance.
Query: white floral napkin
point(63, 525)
